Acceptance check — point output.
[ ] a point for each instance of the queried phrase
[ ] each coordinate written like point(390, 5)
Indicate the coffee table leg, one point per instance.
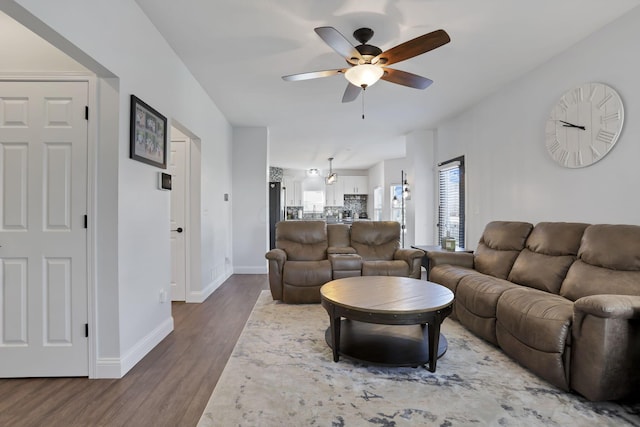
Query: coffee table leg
point(334, 324)
point(434, 342)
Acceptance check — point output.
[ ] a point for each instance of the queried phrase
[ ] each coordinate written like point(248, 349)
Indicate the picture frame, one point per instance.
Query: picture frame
point(148, 140)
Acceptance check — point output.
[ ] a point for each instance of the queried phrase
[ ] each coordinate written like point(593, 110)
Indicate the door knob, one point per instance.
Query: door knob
point(179, 230)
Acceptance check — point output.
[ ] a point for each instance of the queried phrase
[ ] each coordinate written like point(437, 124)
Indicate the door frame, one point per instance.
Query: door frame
point(92, 138)
point(193, 222)
point(187, 209)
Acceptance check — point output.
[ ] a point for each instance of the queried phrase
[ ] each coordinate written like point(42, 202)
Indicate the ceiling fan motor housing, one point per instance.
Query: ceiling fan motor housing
point(368, 52)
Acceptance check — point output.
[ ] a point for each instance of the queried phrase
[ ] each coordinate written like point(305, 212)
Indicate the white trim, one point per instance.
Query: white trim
point(201, 296)
point(113, 367)
point(188, 236)
point(145, 345)
point(39, 76)
point(107, 367)
point(92, 241)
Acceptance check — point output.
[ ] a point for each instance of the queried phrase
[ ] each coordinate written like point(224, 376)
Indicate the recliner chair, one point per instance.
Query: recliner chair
point(299, 266)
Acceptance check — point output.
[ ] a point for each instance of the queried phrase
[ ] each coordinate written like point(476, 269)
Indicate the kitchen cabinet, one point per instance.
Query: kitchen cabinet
point(334, 194)
point(355, 184)
point(293, 191)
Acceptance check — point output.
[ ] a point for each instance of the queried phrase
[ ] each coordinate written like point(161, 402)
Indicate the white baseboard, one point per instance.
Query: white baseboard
point(113, 367)
point(250, 270)
point(200, 296)
point(108, 367)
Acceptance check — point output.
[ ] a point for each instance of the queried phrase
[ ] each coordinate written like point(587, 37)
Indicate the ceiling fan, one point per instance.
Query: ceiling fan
point(368, 64)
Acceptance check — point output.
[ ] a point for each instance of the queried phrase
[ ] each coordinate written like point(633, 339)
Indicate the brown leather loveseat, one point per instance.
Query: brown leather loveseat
point(562, 299)
point(309, 254)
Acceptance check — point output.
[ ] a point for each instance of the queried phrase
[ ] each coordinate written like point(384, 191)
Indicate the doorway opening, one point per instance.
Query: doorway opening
point(184, 226)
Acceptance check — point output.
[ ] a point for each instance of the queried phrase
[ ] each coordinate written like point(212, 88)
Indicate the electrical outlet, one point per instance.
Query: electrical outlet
point(163, 296)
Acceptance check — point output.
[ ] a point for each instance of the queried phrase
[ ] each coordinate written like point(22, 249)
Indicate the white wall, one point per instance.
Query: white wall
point(26, 52)
point(510, 176)
point(132, 262)
point(421, 179)
point(250, 197)
point(376, 179)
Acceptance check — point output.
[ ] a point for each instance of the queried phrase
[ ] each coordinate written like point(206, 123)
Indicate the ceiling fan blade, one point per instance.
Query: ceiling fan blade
point(312, 75)
point(406, 79)
point(339, 43)
point(414, 47)
point(351, 93)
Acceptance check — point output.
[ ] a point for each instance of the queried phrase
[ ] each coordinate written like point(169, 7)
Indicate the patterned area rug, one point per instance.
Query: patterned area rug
point(281, 373)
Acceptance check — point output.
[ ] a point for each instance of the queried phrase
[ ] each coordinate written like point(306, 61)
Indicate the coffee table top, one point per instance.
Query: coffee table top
point(386, 294)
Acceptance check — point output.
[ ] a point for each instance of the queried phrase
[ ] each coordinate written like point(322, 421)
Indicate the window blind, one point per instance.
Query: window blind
point(451, 212)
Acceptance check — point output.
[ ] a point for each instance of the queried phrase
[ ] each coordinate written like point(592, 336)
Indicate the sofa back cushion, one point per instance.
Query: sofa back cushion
point(549, 251)
point(338, 235)
point(375, 240)
point(499, 246)
point(608, 263)
point(302, 240)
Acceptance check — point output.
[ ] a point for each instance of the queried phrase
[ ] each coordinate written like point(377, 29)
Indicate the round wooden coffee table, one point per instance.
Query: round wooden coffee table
point(386, 319)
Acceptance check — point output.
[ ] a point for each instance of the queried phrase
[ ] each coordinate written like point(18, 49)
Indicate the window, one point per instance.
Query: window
point(313, 203)
point(396, 203)
point(451, 196)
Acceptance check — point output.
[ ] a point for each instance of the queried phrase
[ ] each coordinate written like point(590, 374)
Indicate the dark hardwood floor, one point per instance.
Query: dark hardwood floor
point(169, 387)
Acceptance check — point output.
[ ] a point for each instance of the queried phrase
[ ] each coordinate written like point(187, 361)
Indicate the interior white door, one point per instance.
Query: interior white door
point(177, 168)
point(43, 265)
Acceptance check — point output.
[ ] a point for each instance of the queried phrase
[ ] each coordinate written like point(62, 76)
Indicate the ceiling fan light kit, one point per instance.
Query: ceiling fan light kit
point(364, 75)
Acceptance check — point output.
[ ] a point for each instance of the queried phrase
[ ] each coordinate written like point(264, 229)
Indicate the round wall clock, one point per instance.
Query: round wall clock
point(584, 125)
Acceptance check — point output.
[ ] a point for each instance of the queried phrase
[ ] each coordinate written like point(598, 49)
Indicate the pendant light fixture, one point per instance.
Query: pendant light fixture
point(332, 177)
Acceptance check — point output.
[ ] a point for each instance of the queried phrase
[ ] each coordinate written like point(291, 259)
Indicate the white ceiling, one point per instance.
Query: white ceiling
point(239, 49)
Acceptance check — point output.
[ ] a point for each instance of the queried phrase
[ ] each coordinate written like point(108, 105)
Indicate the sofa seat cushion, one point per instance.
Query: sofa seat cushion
point(306, 273)
point(385, 268)
point(449, 275)
point(476, 300)
point(538, 319)
point(534, 327)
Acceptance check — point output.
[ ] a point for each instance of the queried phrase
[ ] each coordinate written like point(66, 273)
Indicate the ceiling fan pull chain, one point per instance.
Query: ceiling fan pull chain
point(363, 91)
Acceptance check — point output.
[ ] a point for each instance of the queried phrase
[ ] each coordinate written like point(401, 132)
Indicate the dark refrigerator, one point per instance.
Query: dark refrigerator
point(276, 210)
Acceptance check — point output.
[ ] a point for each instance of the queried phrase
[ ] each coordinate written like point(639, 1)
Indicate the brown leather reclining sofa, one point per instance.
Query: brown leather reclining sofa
point(309, 254)
point(562, 299)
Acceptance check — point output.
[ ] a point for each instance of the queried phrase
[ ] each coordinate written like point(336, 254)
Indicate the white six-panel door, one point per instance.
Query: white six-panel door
point(43, 201)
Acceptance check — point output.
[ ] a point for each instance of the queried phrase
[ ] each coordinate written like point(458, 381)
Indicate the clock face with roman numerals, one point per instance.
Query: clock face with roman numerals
point(584, 125)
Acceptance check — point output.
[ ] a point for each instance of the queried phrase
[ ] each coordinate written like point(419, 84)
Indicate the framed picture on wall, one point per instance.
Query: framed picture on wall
point(148, 142)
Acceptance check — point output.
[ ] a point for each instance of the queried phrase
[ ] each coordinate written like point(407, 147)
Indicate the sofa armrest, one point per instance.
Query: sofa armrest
point(340, 250)
point(460, 259)
point(408, 254)
point(604, 349)
point(413, 257)
point(277, 255)
point(277, 258)
point(608, 306)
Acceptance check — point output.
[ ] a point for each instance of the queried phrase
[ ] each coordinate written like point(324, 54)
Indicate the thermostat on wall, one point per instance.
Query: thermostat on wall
point(165, 181)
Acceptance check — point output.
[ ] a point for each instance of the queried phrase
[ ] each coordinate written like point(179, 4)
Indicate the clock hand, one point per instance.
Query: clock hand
point(571, 125)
